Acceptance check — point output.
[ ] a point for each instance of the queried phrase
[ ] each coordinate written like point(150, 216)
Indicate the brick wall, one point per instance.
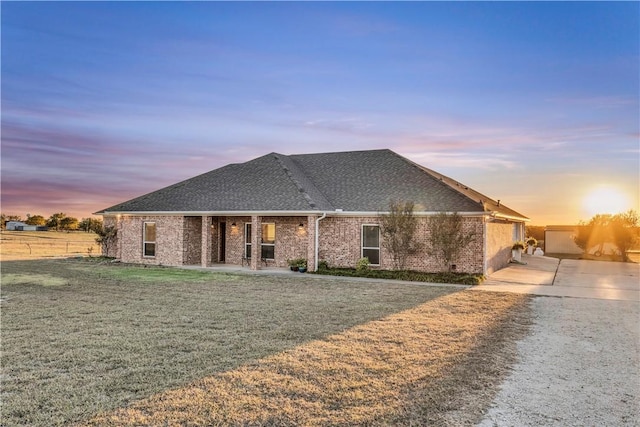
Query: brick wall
point(235, 239)
point(192, 244)
point(340, 245)
point(179, 241)
point(169, 239)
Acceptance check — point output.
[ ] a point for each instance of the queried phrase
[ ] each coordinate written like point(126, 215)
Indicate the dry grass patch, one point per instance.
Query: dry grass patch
point(109, 335)
point(436, 364)
point(20, 245)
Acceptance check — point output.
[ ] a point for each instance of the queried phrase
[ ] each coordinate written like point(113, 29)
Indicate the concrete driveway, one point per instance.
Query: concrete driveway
point(580, 365)
point(568, 278)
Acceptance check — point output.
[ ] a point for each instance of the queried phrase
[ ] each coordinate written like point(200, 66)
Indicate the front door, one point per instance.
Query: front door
point(222, 238)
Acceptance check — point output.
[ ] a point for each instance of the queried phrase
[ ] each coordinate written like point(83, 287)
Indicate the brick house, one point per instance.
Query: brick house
point(322, 206)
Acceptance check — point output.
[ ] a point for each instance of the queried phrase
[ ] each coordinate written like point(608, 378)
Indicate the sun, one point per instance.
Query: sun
point(605, 200)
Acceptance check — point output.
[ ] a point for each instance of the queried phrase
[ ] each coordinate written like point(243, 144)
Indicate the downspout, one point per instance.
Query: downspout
point(324, 215)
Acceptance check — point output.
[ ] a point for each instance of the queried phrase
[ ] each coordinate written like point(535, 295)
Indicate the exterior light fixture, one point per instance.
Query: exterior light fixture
point(233, 224)
point(300, 226)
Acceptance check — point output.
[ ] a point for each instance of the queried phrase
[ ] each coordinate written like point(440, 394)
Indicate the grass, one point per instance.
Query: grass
point(97, 343)
point(16, 245)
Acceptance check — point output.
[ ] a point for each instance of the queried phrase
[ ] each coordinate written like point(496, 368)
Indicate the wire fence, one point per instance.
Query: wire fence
point(27, 248)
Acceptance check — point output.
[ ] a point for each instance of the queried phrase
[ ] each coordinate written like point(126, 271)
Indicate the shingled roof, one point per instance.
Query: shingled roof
point(356, 181)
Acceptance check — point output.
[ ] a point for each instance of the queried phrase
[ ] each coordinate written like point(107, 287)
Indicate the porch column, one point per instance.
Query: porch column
point(311, 242)
point(256, 242)
point(205, 254)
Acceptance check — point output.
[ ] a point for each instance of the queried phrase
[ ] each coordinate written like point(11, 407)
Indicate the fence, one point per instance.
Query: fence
point(18, 248)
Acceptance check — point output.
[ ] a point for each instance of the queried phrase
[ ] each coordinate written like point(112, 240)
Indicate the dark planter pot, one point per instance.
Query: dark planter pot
point(294, 268)
point(302, 269)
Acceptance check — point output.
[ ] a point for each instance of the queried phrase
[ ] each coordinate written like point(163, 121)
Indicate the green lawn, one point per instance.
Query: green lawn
point(82, 338)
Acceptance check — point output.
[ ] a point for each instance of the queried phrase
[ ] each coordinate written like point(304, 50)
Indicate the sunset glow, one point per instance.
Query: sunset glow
point(532, 103)
point(606, 200)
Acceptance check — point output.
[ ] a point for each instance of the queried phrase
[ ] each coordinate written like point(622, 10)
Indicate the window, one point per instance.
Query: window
point(371, 243)
point(247, 240)
point(268, 243)
point(149, 239)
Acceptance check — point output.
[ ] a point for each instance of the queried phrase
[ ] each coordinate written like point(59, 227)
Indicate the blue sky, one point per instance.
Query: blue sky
point(536, 104)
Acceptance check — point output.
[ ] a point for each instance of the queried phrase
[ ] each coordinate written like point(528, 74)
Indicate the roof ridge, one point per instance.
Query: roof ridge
point(293, 172)
point(488, 204)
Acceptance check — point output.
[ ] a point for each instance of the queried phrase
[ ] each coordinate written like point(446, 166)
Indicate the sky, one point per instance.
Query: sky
point(535, 104)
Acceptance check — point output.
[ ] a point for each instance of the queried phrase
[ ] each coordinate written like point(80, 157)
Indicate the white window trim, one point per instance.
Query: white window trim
point(144, 242)
point(363, 247)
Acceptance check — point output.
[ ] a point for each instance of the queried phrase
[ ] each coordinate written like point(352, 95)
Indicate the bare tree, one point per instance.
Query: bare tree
point(398, 230)
point(447, 238)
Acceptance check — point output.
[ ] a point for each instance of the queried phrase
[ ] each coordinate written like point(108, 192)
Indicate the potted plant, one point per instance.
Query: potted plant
point(531, 245)
point(516, 250)
point(302, 265)
point(293, 264)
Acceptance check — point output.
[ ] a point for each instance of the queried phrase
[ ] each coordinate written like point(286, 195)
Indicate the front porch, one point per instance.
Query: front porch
point(258, 242)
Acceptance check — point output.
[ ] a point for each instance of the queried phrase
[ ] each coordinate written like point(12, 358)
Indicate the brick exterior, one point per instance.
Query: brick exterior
point(169, 239)
point(179, 241)
point(340, 245)
point(192, 240)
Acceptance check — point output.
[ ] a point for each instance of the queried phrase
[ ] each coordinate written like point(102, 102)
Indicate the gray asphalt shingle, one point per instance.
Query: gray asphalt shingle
point(356, 181)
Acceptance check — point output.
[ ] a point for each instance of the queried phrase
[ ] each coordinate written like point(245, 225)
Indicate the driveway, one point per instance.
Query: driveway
point(580, 365)
point(568, 278)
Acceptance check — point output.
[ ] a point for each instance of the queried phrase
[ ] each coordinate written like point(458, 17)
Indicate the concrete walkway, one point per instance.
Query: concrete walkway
point(568, 278)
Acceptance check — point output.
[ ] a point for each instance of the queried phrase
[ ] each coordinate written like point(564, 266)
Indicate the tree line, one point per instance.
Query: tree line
point(622, 230)
point(58, 221)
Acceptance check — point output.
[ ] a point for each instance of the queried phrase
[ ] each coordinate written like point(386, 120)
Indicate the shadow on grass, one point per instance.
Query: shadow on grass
point(439, 363)
point(106, 336)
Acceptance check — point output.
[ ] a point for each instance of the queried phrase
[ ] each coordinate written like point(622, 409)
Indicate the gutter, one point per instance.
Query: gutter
point(496, 214)
point(337, 212)
point(207, 213)
point(317, 248)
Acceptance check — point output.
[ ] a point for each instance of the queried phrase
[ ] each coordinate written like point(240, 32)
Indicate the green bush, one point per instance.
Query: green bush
point(362, 265)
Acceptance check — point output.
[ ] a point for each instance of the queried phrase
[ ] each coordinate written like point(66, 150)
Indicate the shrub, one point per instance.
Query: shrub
point(362, 265)
point(408, 275)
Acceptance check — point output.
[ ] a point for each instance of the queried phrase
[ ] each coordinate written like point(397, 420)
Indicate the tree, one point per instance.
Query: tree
point(593, 233)
point(624, 232)
point(536, 231)
point(398, 230)
point(90, 225)
point(55, 220)
point(620, 229)
point(36, 220)
point(447, 237)
point(107, 237)
point(69, 223)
